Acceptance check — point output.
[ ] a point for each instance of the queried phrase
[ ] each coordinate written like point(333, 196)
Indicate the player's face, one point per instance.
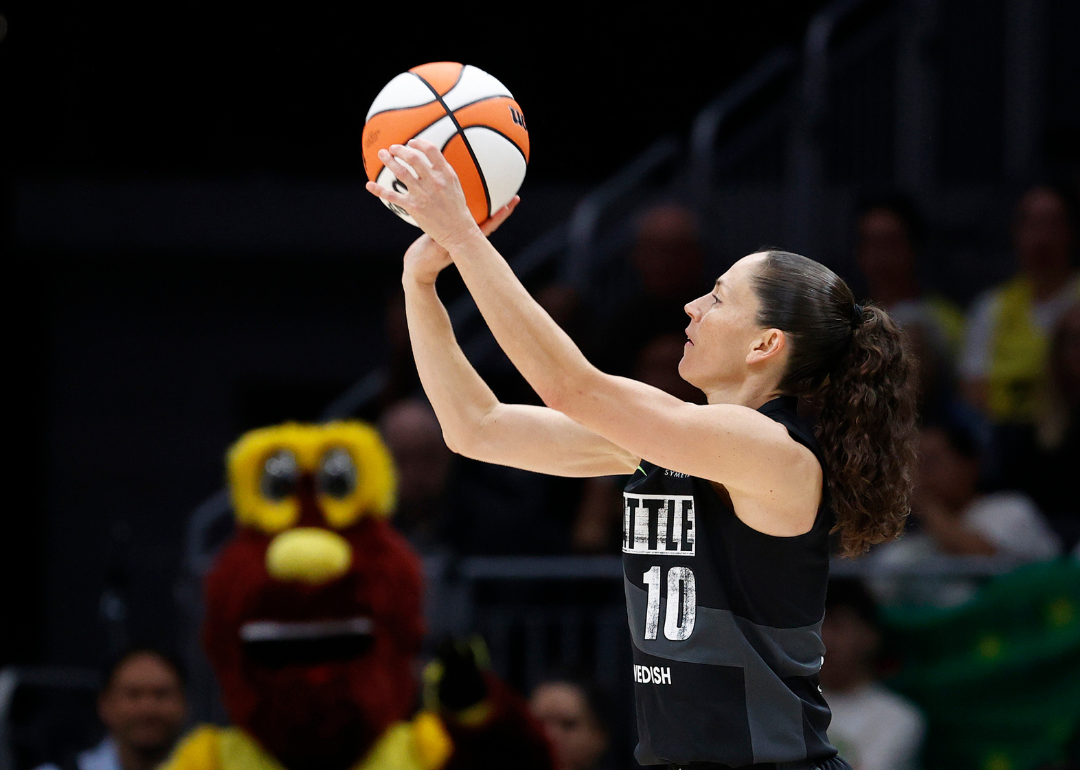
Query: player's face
point(723, 329)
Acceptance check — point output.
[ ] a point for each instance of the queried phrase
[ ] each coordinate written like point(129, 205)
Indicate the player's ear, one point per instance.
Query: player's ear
point(768, 345)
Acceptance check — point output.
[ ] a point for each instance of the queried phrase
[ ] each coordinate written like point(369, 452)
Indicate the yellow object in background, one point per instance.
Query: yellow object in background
point(422, 744)
point(308, 555)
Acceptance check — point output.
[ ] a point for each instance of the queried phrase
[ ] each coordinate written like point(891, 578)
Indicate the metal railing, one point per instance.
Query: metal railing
point(583, 253)
point(805, 183)
point(715, 116)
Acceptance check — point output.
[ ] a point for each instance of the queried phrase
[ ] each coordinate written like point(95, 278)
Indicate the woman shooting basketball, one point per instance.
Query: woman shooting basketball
point(728, 512)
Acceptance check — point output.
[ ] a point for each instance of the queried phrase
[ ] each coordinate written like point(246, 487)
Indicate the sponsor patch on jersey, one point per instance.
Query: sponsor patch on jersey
point(652, 674)
point(658, 524)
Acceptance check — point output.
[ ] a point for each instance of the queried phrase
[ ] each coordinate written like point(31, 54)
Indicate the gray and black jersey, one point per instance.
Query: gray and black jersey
point(725, 621)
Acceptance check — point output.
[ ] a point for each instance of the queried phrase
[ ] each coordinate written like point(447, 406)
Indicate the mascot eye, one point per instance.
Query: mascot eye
point(337, 474)
point(279, 475)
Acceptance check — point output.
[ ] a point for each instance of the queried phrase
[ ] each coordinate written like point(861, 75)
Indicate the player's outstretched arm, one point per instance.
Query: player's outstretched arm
point(474, 422)
point(727, 443)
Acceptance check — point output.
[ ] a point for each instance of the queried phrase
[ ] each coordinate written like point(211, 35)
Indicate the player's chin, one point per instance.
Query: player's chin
point(685, 370)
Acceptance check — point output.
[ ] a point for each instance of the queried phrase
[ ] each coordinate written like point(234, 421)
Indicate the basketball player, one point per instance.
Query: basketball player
point(729, 508)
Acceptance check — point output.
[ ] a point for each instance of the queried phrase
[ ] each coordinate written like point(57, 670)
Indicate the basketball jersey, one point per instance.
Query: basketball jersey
point(725, 621)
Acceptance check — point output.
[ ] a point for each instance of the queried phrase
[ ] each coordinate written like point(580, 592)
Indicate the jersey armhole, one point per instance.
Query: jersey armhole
point(821, 515)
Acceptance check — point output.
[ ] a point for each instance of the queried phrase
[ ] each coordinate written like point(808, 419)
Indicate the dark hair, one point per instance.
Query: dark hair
point(171, 660)
point(851, 360)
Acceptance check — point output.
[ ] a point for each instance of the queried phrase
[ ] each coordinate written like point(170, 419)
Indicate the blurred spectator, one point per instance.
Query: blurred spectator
point(143, 708)
point(669, 263)
point(1004, 353)
point(872, 727)
point(598, 525)
point(412, 433)
point(574, 715)
point(1042, 459)
point(954, 518)
point(890, 234)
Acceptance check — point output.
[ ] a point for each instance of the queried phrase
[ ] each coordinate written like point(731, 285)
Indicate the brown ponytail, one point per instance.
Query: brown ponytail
point(852, 362)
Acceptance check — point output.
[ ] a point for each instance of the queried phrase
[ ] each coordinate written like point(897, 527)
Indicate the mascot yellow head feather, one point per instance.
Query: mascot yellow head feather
point(353, 473)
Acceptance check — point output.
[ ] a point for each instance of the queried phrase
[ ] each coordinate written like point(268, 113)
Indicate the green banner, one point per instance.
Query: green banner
point(999, 677)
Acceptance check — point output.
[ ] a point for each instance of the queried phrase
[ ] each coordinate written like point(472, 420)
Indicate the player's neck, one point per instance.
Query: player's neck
point(751, 393)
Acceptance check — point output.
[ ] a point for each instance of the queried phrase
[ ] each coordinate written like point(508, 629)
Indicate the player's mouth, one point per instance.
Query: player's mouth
point(688, 340)
point(276, 643)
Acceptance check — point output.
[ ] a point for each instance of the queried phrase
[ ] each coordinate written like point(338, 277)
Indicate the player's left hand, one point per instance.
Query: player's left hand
point(433, 196)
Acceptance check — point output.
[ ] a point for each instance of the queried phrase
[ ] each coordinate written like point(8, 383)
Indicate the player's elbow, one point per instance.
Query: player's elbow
point(467, 436)
point(451, 440)
point(569, 395)
point(459, 441)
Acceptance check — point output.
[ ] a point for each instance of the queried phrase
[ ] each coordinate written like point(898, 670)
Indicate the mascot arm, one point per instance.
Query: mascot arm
point(506, 734)
point(488, 722)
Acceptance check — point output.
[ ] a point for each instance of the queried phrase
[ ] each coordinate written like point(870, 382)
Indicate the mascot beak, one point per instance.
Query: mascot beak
point(311, 555)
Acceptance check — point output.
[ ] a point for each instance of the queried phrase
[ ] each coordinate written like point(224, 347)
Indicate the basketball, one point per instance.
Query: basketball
point(467, 114)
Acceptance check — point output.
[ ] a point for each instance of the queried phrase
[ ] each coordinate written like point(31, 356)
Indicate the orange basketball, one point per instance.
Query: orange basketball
point(467, 114)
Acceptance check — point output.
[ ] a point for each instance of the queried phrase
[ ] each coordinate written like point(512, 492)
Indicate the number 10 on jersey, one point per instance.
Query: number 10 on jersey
point(681, 603)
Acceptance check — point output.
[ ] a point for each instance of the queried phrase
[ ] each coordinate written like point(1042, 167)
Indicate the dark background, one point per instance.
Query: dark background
point(196, 90)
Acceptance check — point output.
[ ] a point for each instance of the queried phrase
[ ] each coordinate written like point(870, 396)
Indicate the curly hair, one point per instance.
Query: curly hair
point(852, 361)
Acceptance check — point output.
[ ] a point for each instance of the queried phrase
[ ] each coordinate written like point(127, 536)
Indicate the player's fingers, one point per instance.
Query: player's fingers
point(500, 216)
point(386, 195)
point(399, 168)
point(414, 159)
point(431, 152)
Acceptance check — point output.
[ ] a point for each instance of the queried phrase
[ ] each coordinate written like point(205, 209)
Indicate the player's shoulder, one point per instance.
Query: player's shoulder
point(772, 432)
point(768, 421)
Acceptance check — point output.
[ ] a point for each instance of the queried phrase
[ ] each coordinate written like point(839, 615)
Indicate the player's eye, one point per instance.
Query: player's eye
point(337, 473)
point(279, 475)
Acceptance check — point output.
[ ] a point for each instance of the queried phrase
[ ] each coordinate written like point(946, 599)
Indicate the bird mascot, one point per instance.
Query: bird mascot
point(313, 626)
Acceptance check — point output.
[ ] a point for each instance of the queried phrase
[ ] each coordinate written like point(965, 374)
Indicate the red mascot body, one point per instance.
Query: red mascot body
point(313, 624)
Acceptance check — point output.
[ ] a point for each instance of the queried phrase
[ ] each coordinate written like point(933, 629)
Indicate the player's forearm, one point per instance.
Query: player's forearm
point(460, 398)
point(542, 352)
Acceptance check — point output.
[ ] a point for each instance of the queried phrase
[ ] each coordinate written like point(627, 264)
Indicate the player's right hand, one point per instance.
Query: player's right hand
point(425, 259)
